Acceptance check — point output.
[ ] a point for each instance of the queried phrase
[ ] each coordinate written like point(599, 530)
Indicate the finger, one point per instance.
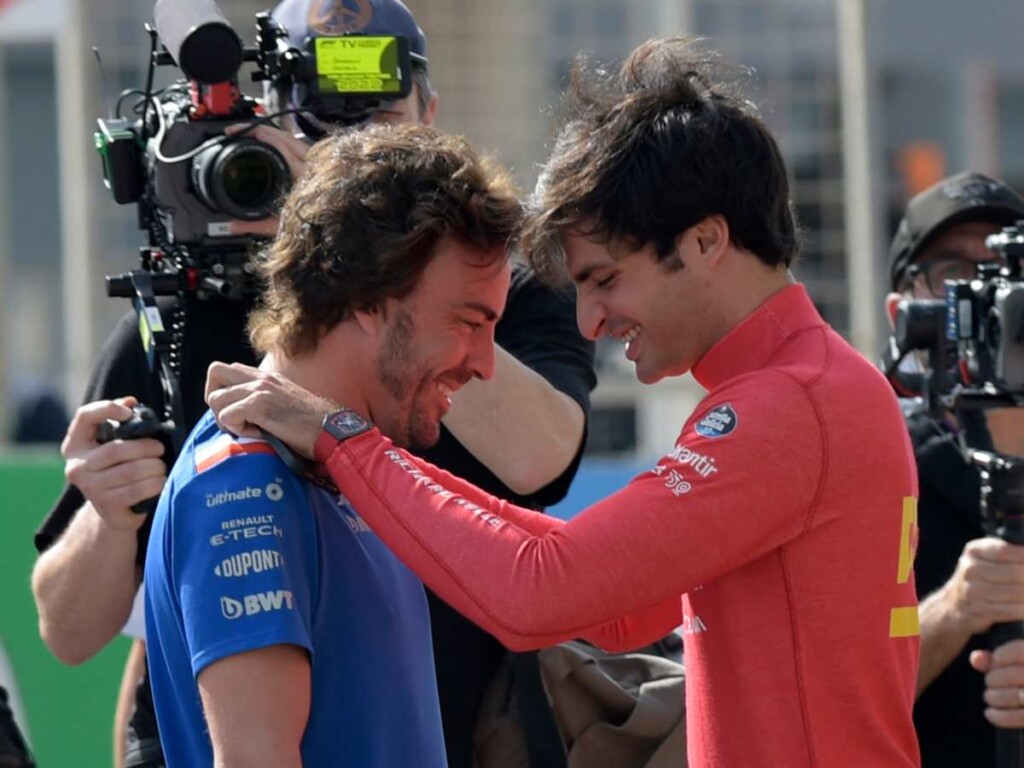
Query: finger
point(1005, 718)
point(221, 375)
point(995, 550)
point(81, 434)
point(127, 496)
point(111, 454)
point(239, 418)
point(130, 473)
point(1011, 697)
point(981, 660)
point(980, 573)
point(1010, 652)
point(1009, 677)
point(292, 148)
point(263, 227)
point(220, 399)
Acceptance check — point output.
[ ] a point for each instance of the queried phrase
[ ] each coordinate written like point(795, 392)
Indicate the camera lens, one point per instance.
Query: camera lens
point(243, 179)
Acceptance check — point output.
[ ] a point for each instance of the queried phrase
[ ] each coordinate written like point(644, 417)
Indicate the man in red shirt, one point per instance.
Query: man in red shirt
point(779, 530)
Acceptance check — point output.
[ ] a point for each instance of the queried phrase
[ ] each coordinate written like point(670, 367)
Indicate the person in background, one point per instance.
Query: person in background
point(966, 580)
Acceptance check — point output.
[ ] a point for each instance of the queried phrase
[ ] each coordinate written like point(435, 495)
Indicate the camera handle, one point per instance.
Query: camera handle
point(161, 347)
point(1002, 492)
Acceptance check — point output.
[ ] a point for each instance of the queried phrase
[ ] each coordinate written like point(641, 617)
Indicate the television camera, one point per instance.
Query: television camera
point(974, 340)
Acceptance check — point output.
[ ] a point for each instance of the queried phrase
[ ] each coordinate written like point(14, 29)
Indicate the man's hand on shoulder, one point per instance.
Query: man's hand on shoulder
point(246, 400)
point(112, 476)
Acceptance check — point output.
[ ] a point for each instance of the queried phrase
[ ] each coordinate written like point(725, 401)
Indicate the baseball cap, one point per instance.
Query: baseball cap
point(315, 18)
point(968, 196)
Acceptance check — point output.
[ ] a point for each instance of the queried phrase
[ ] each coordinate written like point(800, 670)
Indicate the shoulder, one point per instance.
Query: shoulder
point(219, 470)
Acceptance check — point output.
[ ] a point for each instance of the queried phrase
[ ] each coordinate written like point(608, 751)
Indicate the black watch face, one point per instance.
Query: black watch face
point(345, 424)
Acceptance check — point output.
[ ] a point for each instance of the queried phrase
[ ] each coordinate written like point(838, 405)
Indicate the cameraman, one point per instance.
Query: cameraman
point(92, 545)
point(966, 581)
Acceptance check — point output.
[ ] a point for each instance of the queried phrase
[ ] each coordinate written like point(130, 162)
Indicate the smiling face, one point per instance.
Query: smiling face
point(662, 311)
point(435, 340)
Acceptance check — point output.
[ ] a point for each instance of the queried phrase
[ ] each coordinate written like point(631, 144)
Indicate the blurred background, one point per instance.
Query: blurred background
point(872, 101)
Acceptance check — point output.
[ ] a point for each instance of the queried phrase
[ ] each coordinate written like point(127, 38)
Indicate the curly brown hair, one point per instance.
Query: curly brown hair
point(652, 149)
point(362, 223)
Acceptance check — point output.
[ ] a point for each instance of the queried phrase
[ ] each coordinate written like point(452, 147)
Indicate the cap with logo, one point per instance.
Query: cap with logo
point(965, 197)
point(313, 18)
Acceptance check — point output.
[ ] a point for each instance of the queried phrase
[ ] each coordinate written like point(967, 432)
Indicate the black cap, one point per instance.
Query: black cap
point(965, 197)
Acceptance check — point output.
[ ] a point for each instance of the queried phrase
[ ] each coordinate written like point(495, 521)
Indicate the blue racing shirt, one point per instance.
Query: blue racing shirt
point(244, 554)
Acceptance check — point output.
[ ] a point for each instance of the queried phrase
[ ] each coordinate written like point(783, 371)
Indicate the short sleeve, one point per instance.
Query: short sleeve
point(242, 552)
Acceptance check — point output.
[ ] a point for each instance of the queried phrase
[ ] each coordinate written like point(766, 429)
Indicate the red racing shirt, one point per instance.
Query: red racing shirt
point(782, 524)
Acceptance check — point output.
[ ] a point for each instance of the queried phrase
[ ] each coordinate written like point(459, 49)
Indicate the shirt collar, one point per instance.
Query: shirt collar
point(752, 342)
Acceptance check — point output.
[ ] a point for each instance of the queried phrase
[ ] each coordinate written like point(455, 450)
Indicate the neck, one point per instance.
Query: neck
point(324, 373)
point(752, 283)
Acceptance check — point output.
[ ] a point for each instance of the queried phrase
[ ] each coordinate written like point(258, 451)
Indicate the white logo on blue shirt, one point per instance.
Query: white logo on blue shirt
point(261, 602)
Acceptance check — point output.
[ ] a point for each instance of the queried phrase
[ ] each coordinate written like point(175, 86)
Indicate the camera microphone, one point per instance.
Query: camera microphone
point(199, 39)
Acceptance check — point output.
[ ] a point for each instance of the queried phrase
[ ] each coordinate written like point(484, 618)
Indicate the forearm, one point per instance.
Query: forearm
point(622, 634)
point(530, 590)
point(943, 637)
point(518, 425)
point(84, 586)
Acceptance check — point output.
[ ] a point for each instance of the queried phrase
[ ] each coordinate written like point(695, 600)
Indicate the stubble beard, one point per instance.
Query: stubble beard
point(410, 428)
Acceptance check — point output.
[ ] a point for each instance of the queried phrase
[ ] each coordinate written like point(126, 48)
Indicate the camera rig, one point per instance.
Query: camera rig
point(974, 345)
point(189, 177)
point(974, 340)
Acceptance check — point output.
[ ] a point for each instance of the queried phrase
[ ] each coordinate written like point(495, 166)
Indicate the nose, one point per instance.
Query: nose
point(590, 317)
point(481, 355)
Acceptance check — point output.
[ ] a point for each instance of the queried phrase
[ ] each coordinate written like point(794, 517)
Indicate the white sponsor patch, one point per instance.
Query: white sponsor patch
point(261, 602)
point(244, 533)
point(676, 483)
point(272, 491)
point(705, 465)
point(244, 563)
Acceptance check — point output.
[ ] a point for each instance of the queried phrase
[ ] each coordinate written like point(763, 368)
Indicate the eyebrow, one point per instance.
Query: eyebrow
point(483, 309)
point(584, 274)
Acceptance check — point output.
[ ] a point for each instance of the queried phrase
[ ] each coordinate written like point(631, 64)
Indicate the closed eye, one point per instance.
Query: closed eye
point(605, 282)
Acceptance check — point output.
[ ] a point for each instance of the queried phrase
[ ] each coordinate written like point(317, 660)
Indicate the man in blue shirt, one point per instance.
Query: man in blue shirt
point(281, 632)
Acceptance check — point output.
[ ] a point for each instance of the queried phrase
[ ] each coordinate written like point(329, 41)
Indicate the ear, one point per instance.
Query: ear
point(712, 236)
point(372, 321)
point(430, 113)
point(892, 300)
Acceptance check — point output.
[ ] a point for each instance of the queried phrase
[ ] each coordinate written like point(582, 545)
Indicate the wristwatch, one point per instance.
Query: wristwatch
point(345, 423)
point(337, 427)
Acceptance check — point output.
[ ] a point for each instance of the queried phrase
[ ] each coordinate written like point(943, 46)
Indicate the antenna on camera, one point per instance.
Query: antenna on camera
point(104, 84)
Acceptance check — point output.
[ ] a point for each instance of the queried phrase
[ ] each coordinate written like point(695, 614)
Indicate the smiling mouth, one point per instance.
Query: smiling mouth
point(628, 338)
point(446, 392)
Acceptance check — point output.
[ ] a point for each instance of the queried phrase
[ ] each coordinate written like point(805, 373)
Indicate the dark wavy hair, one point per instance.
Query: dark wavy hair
point(363, 222)
point(651, 150)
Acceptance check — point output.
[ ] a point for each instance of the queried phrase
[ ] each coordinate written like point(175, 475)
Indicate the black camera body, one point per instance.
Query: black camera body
point(985, 320)
point(974, 337)
point(239, 178)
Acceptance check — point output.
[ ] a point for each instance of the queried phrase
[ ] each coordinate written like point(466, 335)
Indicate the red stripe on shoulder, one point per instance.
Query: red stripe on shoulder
point(226, 450)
